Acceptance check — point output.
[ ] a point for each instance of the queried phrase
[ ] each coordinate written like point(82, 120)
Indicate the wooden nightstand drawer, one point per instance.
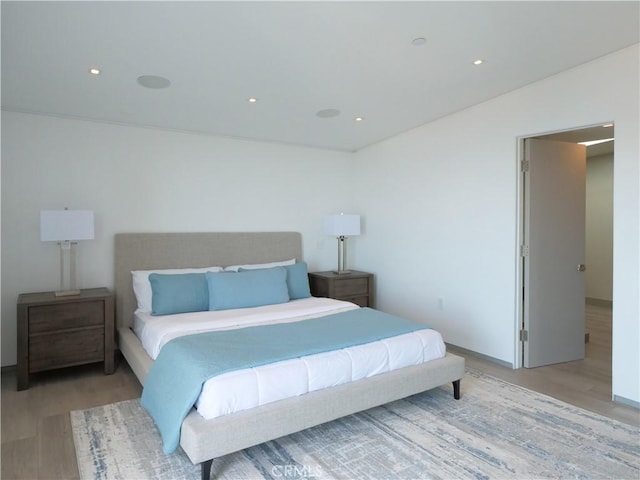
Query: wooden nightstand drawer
point(355, 287)
point(47, 318)
point(351, 287)
point(360, 301)
point(67, 348)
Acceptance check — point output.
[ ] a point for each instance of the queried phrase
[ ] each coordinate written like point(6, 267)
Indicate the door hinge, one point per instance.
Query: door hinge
point(524, 335)
point(524, 250)
point(524, 166)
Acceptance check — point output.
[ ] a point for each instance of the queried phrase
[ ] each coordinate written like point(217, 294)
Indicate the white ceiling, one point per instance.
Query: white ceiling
point(297, 58)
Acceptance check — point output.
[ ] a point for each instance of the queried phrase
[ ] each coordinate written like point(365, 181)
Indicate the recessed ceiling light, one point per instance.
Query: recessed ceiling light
point(252, 99)
point(328, 113)
point(358, 119)
point(153, 81)
point(478, 62)
point(94, 71)
point(416, 42)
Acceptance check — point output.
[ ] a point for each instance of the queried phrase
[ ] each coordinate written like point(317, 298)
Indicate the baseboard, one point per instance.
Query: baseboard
point(599, 302)
point(480, 355)
point(8, 369)
point(626, 401)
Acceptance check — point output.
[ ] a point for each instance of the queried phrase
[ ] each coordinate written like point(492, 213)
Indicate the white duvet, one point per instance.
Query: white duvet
point(248, 388)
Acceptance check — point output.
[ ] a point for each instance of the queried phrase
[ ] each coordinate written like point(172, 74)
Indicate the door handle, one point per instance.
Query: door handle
point(581, 267)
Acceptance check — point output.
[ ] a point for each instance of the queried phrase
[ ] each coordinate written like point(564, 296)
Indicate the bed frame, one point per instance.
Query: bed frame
point(203, 440)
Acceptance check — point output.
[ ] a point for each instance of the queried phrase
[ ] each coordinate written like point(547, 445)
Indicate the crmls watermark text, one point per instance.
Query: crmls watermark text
point(294, 471)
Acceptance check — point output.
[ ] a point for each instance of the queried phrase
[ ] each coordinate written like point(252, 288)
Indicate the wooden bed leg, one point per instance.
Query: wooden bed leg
point(205, 469)
point(456, 389)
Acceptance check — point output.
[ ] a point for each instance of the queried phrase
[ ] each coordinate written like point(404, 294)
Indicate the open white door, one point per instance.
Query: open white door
point(554, 252)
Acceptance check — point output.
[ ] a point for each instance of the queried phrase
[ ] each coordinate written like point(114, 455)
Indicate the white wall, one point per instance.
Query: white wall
point(138, 179)
point(599, 228)
point(441, 205)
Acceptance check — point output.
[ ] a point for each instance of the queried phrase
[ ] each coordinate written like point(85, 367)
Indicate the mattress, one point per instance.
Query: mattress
point(248, 388)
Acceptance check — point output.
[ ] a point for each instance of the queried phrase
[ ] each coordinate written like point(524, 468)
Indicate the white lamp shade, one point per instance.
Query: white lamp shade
point(342, 225)
point(61, 225)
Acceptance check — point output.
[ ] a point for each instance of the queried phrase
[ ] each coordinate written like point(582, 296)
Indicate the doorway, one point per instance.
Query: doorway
point(597, 232)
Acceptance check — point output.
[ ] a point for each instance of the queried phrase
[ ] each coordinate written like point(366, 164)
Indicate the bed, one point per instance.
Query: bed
point(199, 437)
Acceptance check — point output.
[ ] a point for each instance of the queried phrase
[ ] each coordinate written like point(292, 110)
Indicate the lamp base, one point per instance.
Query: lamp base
point(341, 272)
point(67, 293)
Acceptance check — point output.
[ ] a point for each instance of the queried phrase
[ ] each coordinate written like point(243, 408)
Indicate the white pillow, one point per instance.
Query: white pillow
point(142, 286)
point(256, 266)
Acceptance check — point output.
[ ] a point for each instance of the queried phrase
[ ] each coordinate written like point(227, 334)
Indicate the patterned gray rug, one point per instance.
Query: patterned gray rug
point(497, 430)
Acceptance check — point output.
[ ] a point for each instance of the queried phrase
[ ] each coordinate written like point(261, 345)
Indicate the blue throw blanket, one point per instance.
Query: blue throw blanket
point(186, 363)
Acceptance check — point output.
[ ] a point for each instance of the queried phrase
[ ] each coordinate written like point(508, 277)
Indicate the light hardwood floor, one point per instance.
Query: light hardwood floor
point(584, 383)
point(37, 442)
point(36, 432)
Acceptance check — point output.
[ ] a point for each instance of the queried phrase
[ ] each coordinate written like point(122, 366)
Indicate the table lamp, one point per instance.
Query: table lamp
point(342, 226)
point(67, 227)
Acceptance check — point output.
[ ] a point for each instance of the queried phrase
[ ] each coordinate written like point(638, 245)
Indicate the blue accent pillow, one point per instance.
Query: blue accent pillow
point(178, 293)
point(248, 288)
point(298, 281)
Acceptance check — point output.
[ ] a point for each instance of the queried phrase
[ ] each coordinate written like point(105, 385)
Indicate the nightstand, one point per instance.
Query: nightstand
point(356, 287)
point(56, 332)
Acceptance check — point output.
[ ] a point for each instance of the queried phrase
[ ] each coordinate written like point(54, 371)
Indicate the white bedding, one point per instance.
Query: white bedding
point(155, 331)
point(244, 389)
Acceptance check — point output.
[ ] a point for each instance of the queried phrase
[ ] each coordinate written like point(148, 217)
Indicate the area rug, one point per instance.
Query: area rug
point(497, 430)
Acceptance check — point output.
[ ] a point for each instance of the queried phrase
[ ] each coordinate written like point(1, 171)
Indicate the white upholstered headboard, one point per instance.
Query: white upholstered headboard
point(149, 251)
